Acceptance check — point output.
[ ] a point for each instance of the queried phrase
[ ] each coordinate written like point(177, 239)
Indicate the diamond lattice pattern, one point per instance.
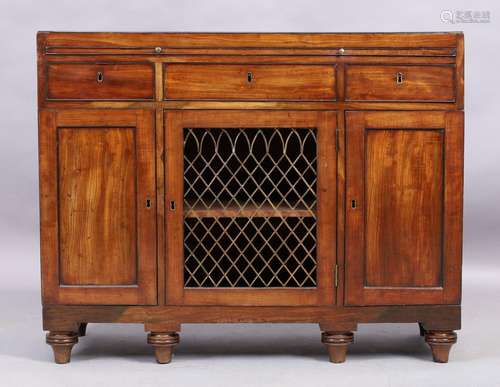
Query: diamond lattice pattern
point(249, 170)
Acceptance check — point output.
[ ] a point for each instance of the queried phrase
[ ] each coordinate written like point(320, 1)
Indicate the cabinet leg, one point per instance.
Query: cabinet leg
point(337, 343)
point(440, 343)
point(163, 344)
point(62, 344)
point(82, 329)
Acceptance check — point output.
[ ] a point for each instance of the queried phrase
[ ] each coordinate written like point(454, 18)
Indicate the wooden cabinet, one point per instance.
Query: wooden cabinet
point(218, 178)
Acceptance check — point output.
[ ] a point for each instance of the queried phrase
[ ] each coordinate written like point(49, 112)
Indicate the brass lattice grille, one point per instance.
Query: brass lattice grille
point(249, 202)
point(250, 252)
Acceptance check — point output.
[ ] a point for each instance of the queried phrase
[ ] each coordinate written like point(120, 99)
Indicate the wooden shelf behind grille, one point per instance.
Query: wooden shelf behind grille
point(233, 211)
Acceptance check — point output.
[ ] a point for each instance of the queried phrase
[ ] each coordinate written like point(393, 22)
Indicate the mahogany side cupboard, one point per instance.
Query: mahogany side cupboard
point(223, 178)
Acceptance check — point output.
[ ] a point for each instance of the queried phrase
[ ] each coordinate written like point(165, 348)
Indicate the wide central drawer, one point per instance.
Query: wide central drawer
point(249, 82)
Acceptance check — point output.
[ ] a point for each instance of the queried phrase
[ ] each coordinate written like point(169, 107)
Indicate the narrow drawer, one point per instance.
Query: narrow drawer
point(91, 81)
point(249, 82)
point(400, 83)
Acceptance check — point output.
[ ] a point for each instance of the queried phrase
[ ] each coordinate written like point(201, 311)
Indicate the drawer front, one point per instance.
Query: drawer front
point(250, 82)
point(100, 81)
point(400, 83)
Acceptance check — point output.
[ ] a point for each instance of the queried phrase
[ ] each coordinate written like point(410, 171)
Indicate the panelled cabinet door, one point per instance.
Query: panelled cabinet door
point(251, 207)
point(404, 207)
point(97, 194)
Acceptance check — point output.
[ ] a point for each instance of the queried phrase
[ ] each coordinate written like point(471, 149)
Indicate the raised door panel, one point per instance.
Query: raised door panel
point(98, 219)
point(404, 197)
point(404, 187)
point(97, 184)
point(251, 207)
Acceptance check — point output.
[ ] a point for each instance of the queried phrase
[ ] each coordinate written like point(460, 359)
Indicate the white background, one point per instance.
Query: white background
point(244, 355)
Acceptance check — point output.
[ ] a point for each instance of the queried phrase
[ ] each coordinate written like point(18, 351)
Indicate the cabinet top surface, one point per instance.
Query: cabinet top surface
point(245, 39)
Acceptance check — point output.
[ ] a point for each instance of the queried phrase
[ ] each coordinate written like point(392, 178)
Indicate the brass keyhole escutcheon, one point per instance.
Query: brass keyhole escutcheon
point(399, 78)
point(100, 77)
point(148, 203)
point(249, 77)
point(172, 205)
point(354, 204)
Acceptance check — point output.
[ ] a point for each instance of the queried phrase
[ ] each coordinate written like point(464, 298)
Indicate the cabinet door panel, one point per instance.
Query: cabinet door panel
point(404, 189)
point(98, 236)
point(251, 207)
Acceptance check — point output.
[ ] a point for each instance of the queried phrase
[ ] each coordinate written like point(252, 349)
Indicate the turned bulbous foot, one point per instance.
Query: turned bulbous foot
point(62, 343)
point(337, 344)
point(163, 344)
point(440, 343)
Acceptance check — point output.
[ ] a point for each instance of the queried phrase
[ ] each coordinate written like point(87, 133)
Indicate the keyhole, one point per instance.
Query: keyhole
point(172, 205)
point(249, 77)
point(354, 204)
point(148, 203)
point(100, 77)
point(399, 78)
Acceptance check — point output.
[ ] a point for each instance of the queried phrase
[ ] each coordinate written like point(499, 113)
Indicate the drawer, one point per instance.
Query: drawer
point(400, 83)
point(91, 81)
point(249, 82)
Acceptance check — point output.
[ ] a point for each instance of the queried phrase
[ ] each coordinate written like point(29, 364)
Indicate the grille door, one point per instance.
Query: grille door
point(251, 207)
